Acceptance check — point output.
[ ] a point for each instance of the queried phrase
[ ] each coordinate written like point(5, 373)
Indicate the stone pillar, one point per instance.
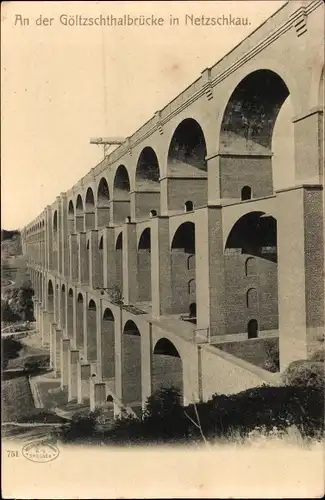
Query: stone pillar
point(309, 154)
point(120, 209)
point(83, 382)
point(109, 266)
point(97, 395)
point(300, 239)
point(89, 221)
point(146, 364)
point(161, 289)
point(118, 353)
point(48, 318)
point(102, 216)
point(65, 354)
point(73, 361)
point(210, 272)
point(74, 252)
point(95, 277)
point(130, 263)
point(83, 259)
point(214, 188)
point(191, 375)
point(80, 224)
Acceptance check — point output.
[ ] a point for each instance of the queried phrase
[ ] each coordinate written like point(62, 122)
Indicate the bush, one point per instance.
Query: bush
point(305, 374)
point(80, 427)
point(37, 364)
point(318, 355)
point(10, 349)
point(272, 352)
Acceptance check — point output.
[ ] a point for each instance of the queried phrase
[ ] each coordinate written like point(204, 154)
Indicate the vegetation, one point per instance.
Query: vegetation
point(10, 243)
point(17, 304)
point(10, 349)
point(306, 373)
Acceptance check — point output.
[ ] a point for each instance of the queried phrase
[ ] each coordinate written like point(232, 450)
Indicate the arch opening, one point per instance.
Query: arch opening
point(167, 366)
point(131, 378)
point(246, 193)
point(119, 262)
point(108, 345)
point(103, 197)
point(92, 331)
point(144, 266)
point(183, 268)
point(187, 150)
point(252, 329)
point(80, 322)
point(189, 206)
point(147, 170)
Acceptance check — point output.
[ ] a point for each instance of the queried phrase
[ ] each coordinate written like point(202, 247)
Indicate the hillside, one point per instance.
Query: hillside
point(10, 244)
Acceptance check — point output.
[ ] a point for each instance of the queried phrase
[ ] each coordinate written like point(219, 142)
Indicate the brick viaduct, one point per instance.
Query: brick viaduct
point(177, 241)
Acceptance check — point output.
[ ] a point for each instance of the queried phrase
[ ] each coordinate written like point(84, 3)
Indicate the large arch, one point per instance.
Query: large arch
point(187, 166)
point(131, 366)
point(103, 203)
point(246, 134)
point(144, 266)
point(92, 331)
point(147, 186)
point(108, 346)
point(89, 210)
point(120, 203)
point(251, 277)
point(183, 269)
point(55, 241)
point(167, 366)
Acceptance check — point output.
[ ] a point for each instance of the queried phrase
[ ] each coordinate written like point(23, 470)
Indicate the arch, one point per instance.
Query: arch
point(130, 328)
point(50, 295)
point(89, 200)
point(80, 321)
point(103, 197)
point(80, 297)
point(147, 170)
point(50, 289)
point(189, 206)
point(92, 305)
point(251, 298)
point(144, 266)
point(145, 240)
point(255, 233)
point(153, 213)
point(191, 287)
point(187, 150)
point(131, 379)
point(70, 209)
point(165, 346)
point(119, 241)
point(167, 366)
point(62, 308)
point(251, 111)
point(252, 328)
point(108, 345)
point(250, 266)
point(101, 244)
point(191, 262)
point(55, 221)
point(79, 205)
point(246, 193)
point(184, 237)
point(121, 186)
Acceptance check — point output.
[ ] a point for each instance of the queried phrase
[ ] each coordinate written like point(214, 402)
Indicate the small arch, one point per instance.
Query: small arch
point(119, 242)
point(80, 298)
point(50, 290)
point(92, 305)
point(63, 288)
point(130, 328)
point(90, 200)
point(153, 213)
point(166, 347)
point(55, 221)
point(250, 266)
point(100, 246)
point(109, 399)
point(246, 193)
point(145, 240)
point(189, 206)
point(108, 315)
point(191, 286)
point(70, 293)
point(103, 193)
point(79, 205)
point(121, 184)
point(251, 298)
point(191, 262)
point(252, 329)
point(184, 237)
point(70, 209)
point(87, 245)
point(127, 219)
point(192, 310)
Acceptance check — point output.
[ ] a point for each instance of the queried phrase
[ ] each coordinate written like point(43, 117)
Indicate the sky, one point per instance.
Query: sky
point(62, 85)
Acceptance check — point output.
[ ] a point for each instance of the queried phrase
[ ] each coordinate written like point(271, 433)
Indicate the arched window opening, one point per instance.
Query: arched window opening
point(252, 329)
point(191, 262)
point(55, 221)
point(92, 305)
point(153, 213)
point(251, 298)
point(90, 201)
point(250, 266)
point(103, 193)
point(119, 242)
point(189, 207)
point(192, 310)
point(100, 246)
point(191, 287)
point(246, 193)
